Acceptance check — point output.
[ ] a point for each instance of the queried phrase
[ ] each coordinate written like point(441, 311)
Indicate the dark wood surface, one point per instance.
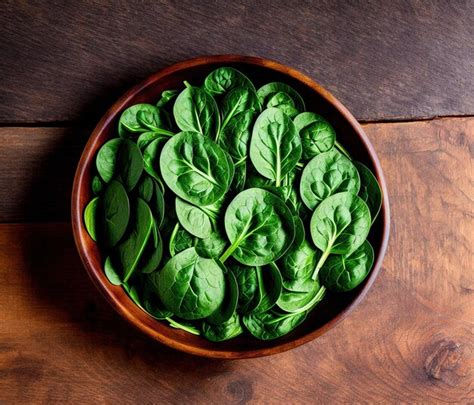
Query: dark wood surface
point(67, 61)
point(411, 340)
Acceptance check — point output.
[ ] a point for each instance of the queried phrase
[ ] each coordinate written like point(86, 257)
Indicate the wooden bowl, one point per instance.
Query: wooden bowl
point(333, 308)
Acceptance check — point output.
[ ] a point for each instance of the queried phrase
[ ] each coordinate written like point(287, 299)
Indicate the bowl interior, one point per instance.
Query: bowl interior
point(349, 133)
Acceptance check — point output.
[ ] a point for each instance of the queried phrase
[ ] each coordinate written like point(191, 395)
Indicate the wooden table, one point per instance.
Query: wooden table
point(405, 68)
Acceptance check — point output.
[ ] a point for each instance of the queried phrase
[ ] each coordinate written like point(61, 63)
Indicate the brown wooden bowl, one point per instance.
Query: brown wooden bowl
point(333, 308)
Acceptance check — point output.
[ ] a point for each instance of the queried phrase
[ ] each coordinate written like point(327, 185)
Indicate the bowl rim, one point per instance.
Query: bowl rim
point(121, 308)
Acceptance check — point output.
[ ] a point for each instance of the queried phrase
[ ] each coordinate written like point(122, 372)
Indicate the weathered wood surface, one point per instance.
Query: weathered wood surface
point(68, 61)
point(411, 340)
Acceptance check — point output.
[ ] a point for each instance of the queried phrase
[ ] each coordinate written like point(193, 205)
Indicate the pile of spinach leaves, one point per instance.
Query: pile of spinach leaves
point(224, 209)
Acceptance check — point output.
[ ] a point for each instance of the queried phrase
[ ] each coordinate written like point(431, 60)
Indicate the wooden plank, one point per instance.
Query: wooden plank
point(68, 61)
point(37, 166)
point(411, 340)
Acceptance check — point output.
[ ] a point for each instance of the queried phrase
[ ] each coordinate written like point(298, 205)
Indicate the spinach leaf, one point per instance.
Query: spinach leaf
point(129, 164)
point(195, 168)
point(107, 158)
point(213, 246)
point(275, 147)
point(224, 79)
point(97, 185)
point(339, 225)
point(145, 188)
point(146, 138)
point(151, 159)
point(317, 135)
point(231, 296)
point(237, 101)
point(266, 92)
point(269, 285)
point(370, 190)
point(297, 302)
point(193, 219)
point(111, 272)
point(224, 331)
point(180, 240)
point(283, 102)
point(240, 177)
point(131, 249)
point(196, 111)
point(153, 253)
point(166, 97)
point(151, 301)
point(346, 272)
point(235, 136)
point(299, 262)
point(327, 174)
point(114, 211)
point(249, 291)
point(299, 231)
point(259, 226)
point(271, 325)
point(190, 286)
point(90, 217)
point(142, 118)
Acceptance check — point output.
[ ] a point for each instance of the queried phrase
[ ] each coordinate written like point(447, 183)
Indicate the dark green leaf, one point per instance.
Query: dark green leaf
point(190, 286)
point(275, 147)
point(195, 168)
point(327, 174)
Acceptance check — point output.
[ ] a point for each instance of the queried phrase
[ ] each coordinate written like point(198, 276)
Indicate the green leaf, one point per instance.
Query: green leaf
point(327, 174)
point(317, 135)
point(195, 168)
point(299, 262)
point(224, 331)
point(111, 272)
point(97, 185)
point(224, 79)
point(275, 147)
point(166, 97)
point(180, 240)
point(193, 219)
point(345, 272)
point(131, 249)
point(228, 306)
point(196, 111)
point(249, 292)
point(129, 165)
point(90, 217)
point(190, 286)
point(114, 212)
point(270, 286)
point(296, 301)
point(271, 325)
point(339, 225)
point(259, 226)
point(266, 92)
point(370, 190)
point(107, 158)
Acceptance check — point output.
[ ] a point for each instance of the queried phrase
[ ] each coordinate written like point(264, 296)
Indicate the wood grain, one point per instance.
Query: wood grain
point(37, 169)
point(411, 340)
point(67, 61)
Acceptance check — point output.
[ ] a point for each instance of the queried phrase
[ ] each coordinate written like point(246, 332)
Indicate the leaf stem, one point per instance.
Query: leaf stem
point(342, 150)
point(178, 325)
point(320, 263)
point(228, 252)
